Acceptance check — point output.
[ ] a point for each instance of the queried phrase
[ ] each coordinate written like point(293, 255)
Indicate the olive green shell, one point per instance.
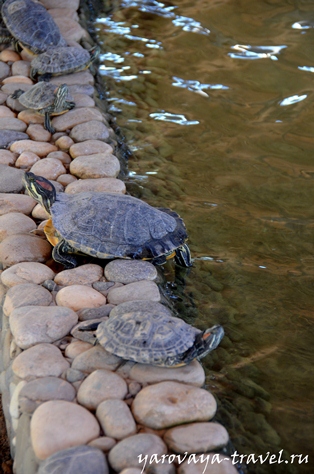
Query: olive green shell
point(32, 25)
point(59, 61)
point(145, 332)
point(40, 96)
point(107, 225)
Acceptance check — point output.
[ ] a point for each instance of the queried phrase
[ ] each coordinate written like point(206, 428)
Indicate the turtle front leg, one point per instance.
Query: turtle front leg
point(47, 124)
point(61, 253)
point(16, 94)
point(44, 77)
point(183, 256)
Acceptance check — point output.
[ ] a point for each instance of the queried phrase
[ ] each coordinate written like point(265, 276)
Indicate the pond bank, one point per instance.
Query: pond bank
point(65, 400)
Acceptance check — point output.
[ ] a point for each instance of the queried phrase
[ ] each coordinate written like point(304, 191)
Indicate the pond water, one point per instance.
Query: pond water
point(215, 99)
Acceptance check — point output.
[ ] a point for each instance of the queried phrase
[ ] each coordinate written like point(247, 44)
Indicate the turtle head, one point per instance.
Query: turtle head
point(40, 189)
point(94, 52)
point(60, 96)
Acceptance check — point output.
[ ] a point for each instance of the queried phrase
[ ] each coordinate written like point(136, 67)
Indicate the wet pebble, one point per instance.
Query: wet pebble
point(7, 157)
point(105, 185)
point(77, 297)
point(43, 389)
point(168, 404)
point(83, 275)
point(37, 132)
point(101, 385)
point(10, 179)
point(99, 165)
point(141, 290)
point(11, 123)
point(49, 168)
point(77, 460)
point(75, 117)
point(9, 138)
point(26, 160)
point(76, 348)
point(47, 427)
point(23, 248)
point(16, 203)
point(26, 272)
point(93, 130)
point(39, 148)
point(196, 437)
point(96, 358)
point(192, 374)
point(129, 271)
point(42, 360)
point(27, 294)
point(15, 223)
point(34, 325)
point(116, 419)
point(90, 147)
point(125, 454)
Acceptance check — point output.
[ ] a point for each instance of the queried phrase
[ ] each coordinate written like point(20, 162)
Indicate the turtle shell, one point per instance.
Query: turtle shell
point(32, 25)
point(145, 332)
point(107, 225)
point(40, 96)
point(61, 60)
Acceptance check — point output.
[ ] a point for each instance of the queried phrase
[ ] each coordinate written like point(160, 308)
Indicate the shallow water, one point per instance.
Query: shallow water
point(216, 102)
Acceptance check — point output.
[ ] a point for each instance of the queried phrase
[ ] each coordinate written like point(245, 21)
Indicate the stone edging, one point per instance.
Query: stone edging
point(66, 402)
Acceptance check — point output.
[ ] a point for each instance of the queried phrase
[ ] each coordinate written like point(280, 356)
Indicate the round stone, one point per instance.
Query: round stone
point(39, 148)
point(192, 374)
point(140, 290)
point(196, 437)
point(64, 143)
point(129, 271)
point(34, 325)
point(101, 385)
point(83, 275)
point(24, 248)
point(82, 78)
point(75, 117)
point(77, 460)
point(27, 294)
point(76, 348)
point(79, 296)
point(42, 360)
point(7, 157)
point(37, 132)
point(16, 78)
point(26, 160)
point(10, 123)
point(116, 419)
point(168, 404)
point(104, 443)
point(49, 168)
point(39, 212)
point(96, 358)
point(10, 179)
point(58, 425)
point(100, 165)
point(210, 464)
point(29, 116)
point(126, 453)
point(93, 130)
point(62, 156)
point(16, 203)
point(21, 68)
point(26, 272)
point(90, 147)
point(43, 389)
point(8, 55)
point(15, 223)
point(8, 138)
point(99, 185)
point(6, 112)
point(66, 179)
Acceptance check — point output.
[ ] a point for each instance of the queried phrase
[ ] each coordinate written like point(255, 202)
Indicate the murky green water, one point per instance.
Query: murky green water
point(215, 99)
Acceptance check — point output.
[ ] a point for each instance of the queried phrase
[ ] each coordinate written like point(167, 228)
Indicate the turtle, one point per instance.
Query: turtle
point(47, 99)
point(108, 225)
point(31, 25)
point(63, 60)
point(147, 332)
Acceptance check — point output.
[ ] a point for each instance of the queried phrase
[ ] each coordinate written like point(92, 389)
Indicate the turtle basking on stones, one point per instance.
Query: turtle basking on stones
point(32, 27)
point(46, 99)
point(148, 333)
point(65, 60)
point(108, 225)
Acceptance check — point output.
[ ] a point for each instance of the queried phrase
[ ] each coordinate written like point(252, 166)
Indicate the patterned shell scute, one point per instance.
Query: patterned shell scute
point(145, 337)
point(58, 60)
point(39, 96)
point(31, 24)
point(102, 224)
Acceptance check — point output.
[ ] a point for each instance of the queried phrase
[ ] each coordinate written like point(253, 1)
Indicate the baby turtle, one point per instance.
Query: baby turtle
point(47, 100)
point(58, 61)
point(148, 333)
point(31, 25)
point(108, 225)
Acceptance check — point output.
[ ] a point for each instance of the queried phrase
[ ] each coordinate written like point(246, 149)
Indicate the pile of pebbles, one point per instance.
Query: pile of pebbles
point(70, 406)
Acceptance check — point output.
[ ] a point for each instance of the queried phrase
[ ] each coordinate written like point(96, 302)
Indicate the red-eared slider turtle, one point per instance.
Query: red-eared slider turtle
point(58, 61)
point(31, 25)
point(47, 99)
point(107, 225)
point(148, 333)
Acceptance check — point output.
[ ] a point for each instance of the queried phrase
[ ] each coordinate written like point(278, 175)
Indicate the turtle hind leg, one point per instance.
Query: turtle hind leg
point(61, 253)
point(47, 124)
point(16, 94)
point(183, 256)
point(44, 77)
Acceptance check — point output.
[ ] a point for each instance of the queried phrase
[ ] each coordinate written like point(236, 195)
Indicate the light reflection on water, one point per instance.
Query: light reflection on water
point(242, 178)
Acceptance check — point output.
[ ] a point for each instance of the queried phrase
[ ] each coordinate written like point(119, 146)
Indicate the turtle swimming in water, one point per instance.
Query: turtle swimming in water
point(31, 25)
point(65, 60)
point(108, 225)
point(147, 332)
point(46, 99)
